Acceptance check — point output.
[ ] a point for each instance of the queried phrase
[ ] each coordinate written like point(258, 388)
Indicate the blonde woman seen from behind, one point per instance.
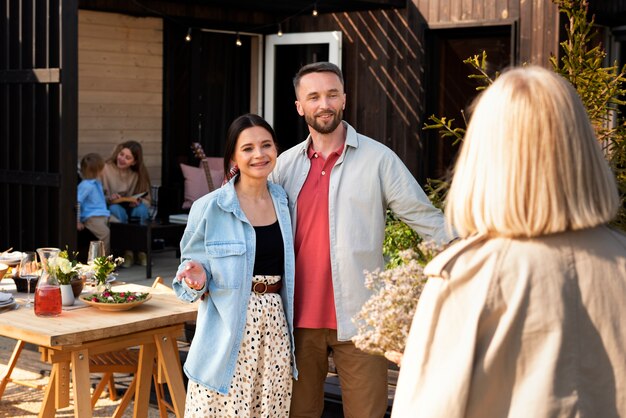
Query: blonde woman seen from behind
point(523, 316)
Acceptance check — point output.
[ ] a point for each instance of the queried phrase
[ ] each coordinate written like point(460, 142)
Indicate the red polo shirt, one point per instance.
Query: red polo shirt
point(314, 299)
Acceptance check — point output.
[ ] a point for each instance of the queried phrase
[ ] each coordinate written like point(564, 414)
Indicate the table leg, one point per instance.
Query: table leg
point(144, 380)
point(170, 361)
point(48, 409)
point(80, 378)
point(62, 385)
point(19, 345)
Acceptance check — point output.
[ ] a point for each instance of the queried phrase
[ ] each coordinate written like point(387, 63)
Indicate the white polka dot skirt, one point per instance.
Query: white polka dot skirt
point(261, 386)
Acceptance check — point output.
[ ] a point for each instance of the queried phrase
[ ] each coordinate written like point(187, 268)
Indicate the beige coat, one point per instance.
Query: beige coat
point(520, 328)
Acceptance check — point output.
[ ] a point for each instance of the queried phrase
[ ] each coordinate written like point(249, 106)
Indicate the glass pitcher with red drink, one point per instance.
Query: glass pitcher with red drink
point(48, 295)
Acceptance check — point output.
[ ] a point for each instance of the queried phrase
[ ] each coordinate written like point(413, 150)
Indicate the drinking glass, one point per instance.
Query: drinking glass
point(96, 249)
point(29, 270)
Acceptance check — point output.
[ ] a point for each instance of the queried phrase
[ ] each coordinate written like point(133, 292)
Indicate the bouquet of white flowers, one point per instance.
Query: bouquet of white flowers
point(64, 266)
point(385, 319)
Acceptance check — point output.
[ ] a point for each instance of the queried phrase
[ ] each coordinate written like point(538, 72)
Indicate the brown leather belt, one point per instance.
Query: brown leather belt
point(261, 288)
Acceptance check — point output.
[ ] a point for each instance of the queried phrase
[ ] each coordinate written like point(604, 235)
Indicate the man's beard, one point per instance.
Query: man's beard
point(329, 126)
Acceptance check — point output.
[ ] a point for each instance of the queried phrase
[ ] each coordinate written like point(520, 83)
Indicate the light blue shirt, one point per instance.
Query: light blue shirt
point(220, 237)
point(367, 179)
point(91, 198)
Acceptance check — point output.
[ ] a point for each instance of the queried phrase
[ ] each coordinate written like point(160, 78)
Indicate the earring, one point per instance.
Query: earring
point(234, 170)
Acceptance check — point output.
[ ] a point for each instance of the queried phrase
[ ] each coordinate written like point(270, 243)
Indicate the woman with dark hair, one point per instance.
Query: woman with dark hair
point(238, 262)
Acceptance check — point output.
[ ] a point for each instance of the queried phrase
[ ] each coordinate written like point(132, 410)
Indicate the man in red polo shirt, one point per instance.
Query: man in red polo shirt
point(340, 184)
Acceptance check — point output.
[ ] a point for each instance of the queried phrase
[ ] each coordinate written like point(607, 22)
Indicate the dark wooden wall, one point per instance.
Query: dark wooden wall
point(536, 21)
point(384, 59)
point(382, 62)
point(38, 96)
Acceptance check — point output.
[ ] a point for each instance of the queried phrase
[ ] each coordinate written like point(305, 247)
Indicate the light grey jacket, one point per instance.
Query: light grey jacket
point(367, 179)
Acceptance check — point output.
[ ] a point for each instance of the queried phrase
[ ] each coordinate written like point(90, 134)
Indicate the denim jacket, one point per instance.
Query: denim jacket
point(219, 236)
point(367, 179)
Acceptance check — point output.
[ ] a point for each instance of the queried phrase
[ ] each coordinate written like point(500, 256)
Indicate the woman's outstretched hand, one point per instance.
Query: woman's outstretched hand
point(193, 274)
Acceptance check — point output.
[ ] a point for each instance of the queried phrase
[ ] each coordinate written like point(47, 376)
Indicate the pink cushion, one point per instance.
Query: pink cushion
point(196, 185)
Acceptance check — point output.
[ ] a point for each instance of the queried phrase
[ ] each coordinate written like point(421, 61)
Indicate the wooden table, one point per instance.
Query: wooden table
point(67, 341)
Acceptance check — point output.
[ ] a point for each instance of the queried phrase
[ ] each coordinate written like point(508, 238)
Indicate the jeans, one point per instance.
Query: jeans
point(122, 213)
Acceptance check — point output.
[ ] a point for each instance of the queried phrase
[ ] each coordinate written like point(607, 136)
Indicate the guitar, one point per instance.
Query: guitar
point(198, 152)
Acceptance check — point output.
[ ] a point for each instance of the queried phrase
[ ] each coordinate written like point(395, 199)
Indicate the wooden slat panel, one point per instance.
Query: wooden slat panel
point(119, 110)
point(116, 123)
point(137, 98)
point(109, 138)
point(121, 45)
point(116, 71)
point(122, 59)
point(448, 13)
point(121, 84)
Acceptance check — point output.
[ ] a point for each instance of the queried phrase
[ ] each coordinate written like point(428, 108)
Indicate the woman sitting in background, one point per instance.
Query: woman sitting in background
point(126, 186)
point(524, 316)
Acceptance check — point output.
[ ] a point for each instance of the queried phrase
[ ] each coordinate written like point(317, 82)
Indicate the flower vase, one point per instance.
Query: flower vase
point(67, 295)
point(77, 286)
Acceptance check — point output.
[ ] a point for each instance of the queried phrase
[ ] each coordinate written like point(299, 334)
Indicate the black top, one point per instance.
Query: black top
point(270, 256)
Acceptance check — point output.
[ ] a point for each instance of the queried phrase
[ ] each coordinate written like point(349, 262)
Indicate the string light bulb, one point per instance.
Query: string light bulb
point(314, 9)
point(188, 36)
point(238, 41)
point(280, 30)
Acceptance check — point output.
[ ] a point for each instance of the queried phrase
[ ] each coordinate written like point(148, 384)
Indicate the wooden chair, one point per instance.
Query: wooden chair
point(108, 363)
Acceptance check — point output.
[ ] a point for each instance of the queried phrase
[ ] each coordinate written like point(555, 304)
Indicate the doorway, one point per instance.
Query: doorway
point(451, 91)
point(284, 55)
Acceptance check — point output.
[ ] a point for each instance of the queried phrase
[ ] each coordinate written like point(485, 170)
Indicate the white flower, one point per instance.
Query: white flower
point(385, 319)
point(64, 265)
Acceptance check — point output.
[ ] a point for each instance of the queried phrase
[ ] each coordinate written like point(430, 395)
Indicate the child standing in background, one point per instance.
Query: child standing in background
point(93, 212)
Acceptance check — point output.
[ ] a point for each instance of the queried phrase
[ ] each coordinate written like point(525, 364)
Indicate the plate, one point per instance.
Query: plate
point(9, 307)
point(12, 259)
point(112, 306)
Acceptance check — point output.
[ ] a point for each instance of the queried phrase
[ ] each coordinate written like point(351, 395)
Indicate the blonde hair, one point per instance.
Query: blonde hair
point(530, 163)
